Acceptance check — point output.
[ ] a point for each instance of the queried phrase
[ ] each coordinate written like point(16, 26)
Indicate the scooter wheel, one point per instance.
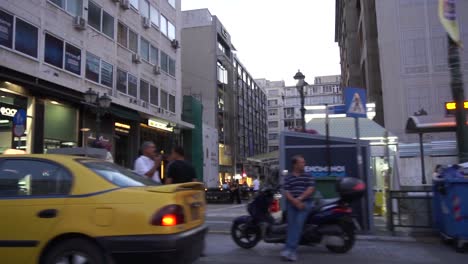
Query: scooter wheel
point(246, 236)
point(348, 237)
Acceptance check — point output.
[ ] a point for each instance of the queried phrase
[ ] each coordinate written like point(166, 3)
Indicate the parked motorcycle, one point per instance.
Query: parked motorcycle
point(331, 221)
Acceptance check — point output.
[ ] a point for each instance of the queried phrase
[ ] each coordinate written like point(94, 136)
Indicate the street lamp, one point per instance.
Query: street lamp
point(99, 104)
point(300, 88)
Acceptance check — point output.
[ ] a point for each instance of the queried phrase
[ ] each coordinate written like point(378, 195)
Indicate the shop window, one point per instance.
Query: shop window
point(74, 7)
point(172, 103)
point(99, 71)
point(154, 14)
point(154, 53)
point(144, 49)
point(144, 90)
point(26, 38)
point(164, 98)
point(163, 25)
point(24, 177)
point(60, 126)
point(154, 95)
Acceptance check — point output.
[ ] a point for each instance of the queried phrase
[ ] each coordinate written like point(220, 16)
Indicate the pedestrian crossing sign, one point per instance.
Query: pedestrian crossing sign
point(355, 102)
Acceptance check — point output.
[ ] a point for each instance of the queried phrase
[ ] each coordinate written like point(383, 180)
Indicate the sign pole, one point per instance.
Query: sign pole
point(358, 148)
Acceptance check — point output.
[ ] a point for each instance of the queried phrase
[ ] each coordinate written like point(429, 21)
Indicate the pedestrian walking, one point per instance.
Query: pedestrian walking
point(179, 170)
point(148, 164)
point(256, 185)
point(298, 189)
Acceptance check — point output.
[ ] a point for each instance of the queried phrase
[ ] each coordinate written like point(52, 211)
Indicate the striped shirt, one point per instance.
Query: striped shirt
point(297, 185)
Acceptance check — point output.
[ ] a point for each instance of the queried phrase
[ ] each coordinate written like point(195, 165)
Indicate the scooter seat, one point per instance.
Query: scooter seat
point(325, 202)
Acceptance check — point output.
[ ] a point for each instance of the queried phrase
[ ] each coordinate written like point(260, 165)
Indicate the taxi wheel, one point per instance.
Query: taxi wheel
point(74, 251)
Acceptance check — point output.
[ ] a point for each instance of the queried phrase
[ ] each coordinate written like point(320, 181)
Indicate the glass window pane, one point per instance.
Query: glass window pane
point(144, 91)
point(107, 74)
point(132, 85)
point(171, 31)
point(172, 103)
point(172, 3)
point(144, 10)
point(144, 49)
point(117, 175)
point(6, 29)
point(92, 67)
point(108, 25)
point(121, 81)
point(154, 16)
point(26, 38)
point(60, 3)
point(154, 56)
point(164, 62)
point(53, 51)
point(72, 59)
point(122, 34)
point(133, 41)
point(163, 99)
point(154, 95)
point(94, 16)
point(172, 67)
point(164, 25)
point(75, 7)
point(134, 3)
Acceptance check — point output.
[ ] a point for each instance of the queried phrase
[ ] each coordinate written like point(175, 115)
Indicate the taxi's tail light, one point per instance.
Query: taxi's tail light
point(170, 215)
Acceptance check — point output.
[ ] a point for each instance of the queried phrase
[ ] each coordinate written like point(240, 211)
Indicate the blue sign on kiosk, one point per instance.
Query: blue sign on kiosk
point(19, 123)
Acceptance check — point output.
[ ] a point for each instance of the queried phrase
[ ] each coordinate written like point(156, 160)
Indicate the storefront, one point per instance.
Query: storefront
point(60, 125)
point(160, 132)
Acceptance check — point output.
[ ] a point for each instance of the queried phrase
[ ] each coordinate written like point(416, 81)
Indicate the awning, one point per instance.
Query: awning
point(125, 113)
point(430, 124)
point(274, 155)
point(344, 127)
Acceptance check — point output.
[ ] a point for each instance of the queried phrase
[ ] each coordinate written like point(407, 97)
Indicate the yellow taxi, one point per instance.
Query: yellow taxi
point(57, 209)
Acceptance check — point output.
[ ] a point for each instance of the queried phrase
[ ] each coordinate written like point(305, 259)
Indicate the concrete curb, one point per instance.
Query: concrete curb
point(376, 238)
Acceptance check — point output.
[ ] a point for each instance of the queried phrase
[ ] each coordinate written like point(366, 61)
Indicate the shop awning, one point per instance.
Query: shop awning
point(344, 127)
point(274, 155)
point(430, 124)
point(125, 113)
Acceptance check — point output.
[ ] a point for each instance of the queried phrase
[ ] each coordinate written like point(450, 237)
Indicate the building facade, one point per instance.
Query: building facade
point(232, 101)
point(53, 51)
point(403, 49)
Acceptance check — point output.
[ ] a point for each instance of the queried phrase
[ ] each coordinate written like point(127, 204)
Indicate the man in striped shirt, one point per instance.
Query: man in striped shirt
point(298, 190)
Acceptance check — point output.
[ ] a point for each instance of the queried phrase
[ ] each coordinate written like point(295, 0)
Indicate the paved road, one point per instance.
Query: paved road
point(221, 249)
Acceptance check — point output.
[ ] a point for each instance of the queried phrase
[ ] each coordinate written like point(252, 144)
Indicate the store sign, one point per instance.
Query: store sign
point(159, 125)
point(6, 111)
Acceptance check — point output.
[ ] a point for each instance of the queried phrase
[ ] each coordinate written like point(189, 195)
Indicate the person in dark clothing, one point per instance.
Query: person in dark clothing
point(235, 192)
point(179, 170)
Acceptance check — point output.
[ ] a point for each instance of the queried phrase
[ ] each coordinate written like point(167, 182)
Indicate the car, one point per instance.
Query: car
point(69, 209)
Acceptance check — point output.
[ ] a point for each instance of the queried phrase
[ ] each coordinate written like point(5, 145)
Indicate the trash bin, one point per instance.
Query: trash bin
point(437, 216)
point(453, 199)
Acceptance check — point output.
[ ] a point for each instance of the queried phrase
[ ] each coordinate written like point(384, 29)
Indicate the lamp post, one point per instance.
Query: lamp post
point(99, 104)
point(300, 88)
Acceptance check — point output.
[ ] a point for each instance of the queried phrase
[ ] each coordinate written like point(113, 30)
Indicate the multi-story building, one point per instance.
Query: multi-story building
point(397, 49)
point(232, 101)
point(284, 104)
point(53, 51)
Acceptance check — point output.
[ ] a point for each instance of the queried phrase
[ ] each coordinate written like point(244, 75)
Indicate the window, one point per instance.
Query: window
point(273, 136)
point(164, 62)
point(99, 71)
point(273, 148)
point(133, 41)
point(100, 20)
point(172, 66)
point(144, 49)
point(289, 123)
point(163, 99)
point(273, 112)
point(132, 85)
point(6, 30)
point(172, 103)
point(273, 124)
point(273, 92)
point(164, 25)
point(74, 7)
point(72, 59)
point(154, 95)
point(134, 3)
point(144, 90)
point(272, 102)
point(154, 14)
point(121, 81)
point(116, 174)
point(145, 9)
point(289, 112)
point(172, 3)
point(154, 56)
point(22, 177)
point(26, 38)
point(53, 51)
point(122, 34)
point(171, 31)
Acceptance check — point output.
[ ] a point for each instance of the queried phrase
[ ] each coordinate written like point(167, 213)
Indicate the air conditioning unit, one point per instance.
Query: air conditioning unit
point(125, 4)
point(132, 100)
point(175, 44)
point(136, 58)
point(144, 104)
point(156, 69)
point(146, 22)
point(79, 23)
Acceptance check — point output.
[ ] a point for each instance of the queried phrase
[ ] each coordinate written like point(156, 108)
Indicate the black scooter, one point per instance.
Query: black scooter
point(330, 221)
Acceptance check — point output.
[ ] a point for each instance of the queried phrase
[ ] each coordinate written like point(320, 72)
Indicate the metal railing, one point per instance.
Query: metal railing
point(410, 209)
